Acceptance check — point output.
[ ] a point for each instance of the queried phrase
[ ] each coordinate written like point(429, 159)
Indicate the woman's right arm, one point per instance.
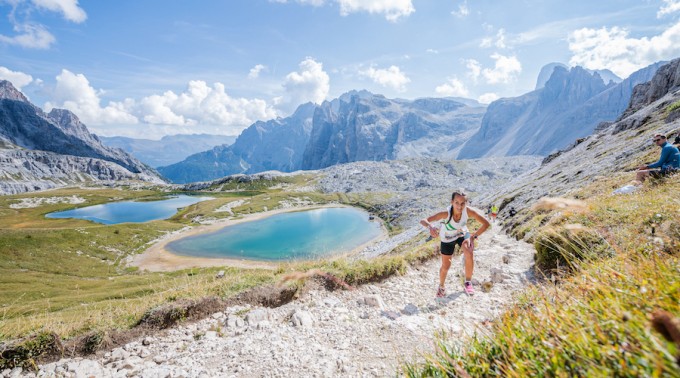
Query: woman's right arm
point(427, 222)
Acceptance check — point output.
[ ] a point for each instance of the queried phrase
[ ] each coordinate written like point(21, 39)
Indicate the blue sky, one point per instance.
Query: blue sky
point(152, 68)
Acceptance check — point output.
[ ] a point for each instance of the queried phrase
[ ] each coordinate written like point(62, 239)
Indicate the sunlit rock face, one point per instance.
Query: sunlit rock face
point(569, 106)
point(59, 145)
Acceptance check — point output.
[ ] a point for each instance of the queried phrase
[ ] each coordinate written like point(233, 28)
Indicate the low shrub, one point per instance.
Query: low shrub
point(24, 352)
point(564, 247)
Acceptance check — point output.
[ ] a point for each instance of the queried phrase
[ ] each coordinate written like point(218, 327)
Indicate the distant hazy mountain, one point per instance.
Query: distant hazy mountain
point(548, 69)
point(607, 76)
point(170, 149)
point(24, 126)
point(569, 107)
point(272, 145)
point(356, 126)
point(546, 72)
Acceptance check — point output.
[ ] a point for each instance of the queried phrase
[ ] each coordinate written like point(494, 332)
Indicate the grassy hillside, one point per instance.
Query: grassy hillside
point(68, 277)
point(610, 263)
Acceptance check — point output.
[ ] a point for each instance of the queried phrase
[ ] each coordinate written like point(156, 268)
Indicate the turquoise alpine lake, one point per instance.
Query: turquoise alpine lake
point(130, 211)
point(300, 235)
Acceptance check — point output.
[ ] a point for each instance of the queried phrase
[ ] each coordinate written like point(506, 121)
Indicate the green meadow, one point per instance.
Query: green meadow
point(70, 276)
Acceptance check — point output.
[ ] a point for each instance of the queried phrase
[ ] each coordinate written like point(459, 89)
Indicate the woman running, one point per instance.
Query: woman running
point(453, 231)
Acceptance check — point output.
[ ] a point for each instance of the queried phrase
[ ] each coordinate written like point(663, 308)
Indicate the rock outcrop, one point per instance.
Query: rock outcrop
point(25, 126)
point(30, 170)
point(666, 80)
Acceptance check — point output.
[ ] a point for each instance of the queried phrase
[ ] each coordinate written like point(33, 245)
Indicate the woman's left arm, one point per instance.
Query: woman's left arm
point(485, 223)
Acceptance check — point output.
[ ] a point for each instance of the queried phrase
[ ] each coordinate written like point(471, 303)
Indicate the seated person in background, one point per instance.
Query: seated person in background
point(669, 161)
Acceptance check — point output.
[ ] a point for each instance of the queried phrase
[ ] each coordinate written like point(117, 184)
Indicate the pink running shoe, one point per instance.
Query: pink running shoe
point(469, 290)
point(441, 292)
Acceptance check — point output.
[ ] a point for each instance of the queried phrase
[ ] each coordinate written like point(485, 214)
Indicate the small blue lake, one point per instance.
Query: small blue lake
point(301, 235)
point(130, 211)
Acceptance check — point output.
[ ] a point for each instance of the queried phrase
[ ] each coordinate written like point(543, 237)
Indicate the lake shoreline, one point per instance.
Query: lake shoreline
point(158, 258)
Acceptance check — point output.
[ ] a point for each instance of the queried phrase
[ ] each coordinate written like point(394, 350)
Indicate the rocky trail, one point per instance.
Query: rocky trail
point(368, 331)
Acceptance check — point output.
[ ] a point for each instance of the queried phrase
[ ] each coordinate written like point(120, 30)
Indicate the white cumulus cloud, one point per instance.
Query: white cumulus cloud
point(311, 83)
point(474, 68)
point(462, 11)
point(612, 49)
point(486, 42)
point(499, 43)
point(452, 87)
point(255, 71)
point(33, 35)
point(201, 104)
point(73, 92)
point(199, 108)
point(392, 9)
point(18, 79)
point(391, 77)
point(670, 6)
point(505, 69)
point(488, 98)
point(69, 8)
point(29, 36)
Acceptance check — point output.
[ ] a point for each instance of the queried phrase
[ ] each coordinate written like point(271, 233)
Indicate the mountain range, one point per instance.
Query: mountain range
point(356, 126)
point(570, 106)
point(169, 149)
point(41, 150)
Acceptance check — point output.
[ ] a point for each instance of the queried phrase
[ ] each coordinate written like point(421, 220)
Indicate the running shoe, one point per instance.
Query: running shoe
point(469, 290)
point(441, 292)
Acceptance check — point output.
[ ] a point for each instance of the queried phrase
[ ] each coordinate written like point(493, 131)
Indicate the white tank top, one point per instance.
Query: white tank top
point(453, 230)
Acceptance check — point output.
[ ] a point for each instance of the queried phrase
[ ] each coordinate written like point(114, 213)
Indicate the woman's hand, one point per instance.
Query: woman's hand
point(434, 232)
point(470, 241)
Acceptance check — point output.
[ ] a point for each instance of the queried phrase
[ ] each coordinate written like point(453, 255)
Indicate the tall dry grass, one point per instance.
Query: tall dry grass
point(599, 319)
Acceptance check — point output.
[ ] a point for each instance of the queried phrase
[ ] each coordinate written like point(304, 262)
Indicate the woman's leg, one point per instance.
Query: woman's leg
point(469, 261)
point(446, 264)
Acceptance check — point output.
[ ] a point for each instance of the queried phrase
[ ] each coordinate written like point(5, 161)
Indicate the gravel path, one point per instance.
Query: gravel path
point(369, 331)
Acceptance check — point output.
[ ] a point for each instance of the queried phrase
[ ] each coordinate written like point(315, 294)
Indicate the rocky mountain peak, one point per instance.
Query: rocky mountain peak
point(64, 117)
point(48, 139)
point(546, 72)
point(364, 94)
point(9, 92)
point(573, 86)
point(666, 80)
point(68, 122)
point(570, 106)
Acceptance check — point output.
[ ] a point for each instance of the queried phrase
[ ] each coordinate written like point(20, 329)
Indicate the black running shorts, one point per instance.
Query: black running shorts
point(448, 248)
